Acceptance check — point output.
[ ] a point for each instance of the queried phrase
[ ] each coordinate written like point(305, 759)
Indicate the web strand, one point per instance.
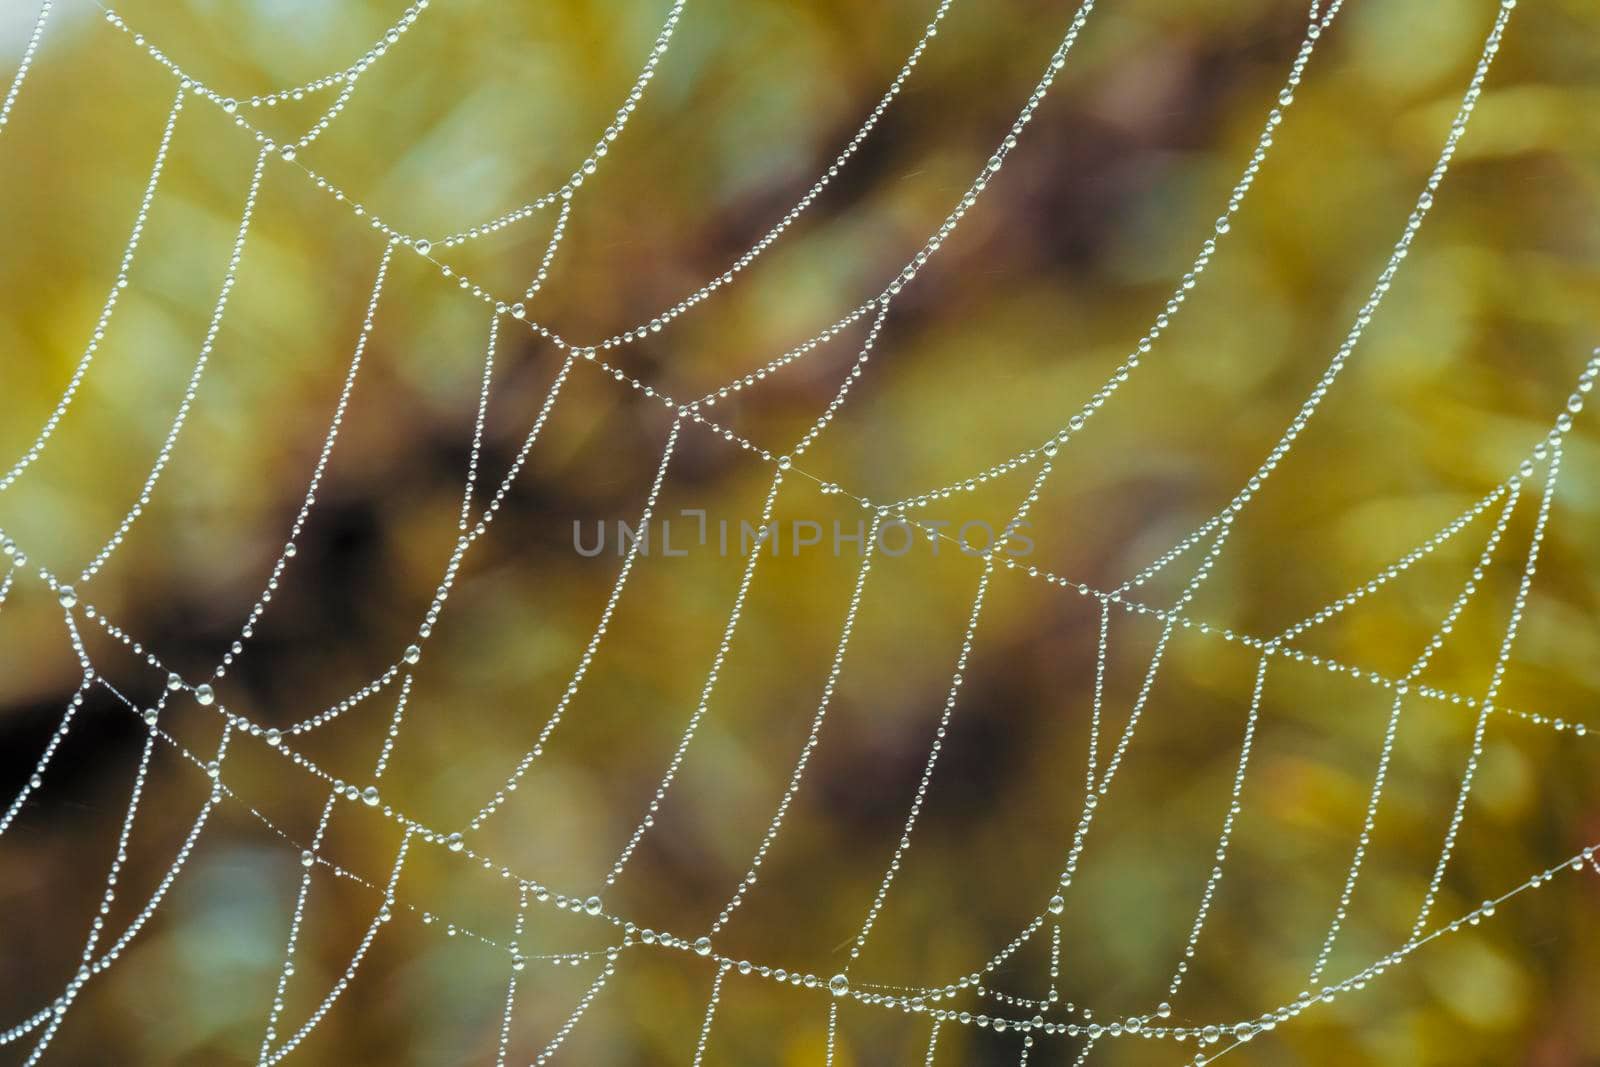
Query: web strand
point(1104, 758)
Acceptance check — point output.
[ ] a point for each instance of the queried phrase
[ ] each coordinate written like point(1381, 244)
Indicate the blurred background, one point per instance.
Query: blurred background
point(480, 107)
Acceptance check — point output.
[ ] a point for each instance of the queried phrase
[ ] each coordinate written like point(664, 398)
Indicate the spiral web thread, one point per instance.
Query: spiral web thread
point(1530, 488)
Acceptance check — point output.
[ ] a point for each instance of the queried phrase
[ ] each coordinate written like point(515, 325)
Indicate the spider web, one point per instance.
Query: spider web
point(1525, 494)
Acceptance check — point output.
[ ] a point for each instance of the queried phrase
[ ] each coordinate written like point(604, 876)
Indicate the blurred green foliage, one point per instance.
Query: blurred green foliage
point(484, 106)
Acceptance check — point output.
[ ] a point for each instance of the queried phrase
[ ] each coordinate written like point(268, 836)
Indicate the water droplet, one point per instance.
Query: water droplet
point(151, 715)
point(422, 247)
point(308, 858)
point(412, 654)
point(369, 796)
point(1057, 905)
point(174, 683)
point(454, 842)
point(592, 905)
point(204, 693)
point(68, 596)
point(702, 946)
point(274, 737)
point(838, 985)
